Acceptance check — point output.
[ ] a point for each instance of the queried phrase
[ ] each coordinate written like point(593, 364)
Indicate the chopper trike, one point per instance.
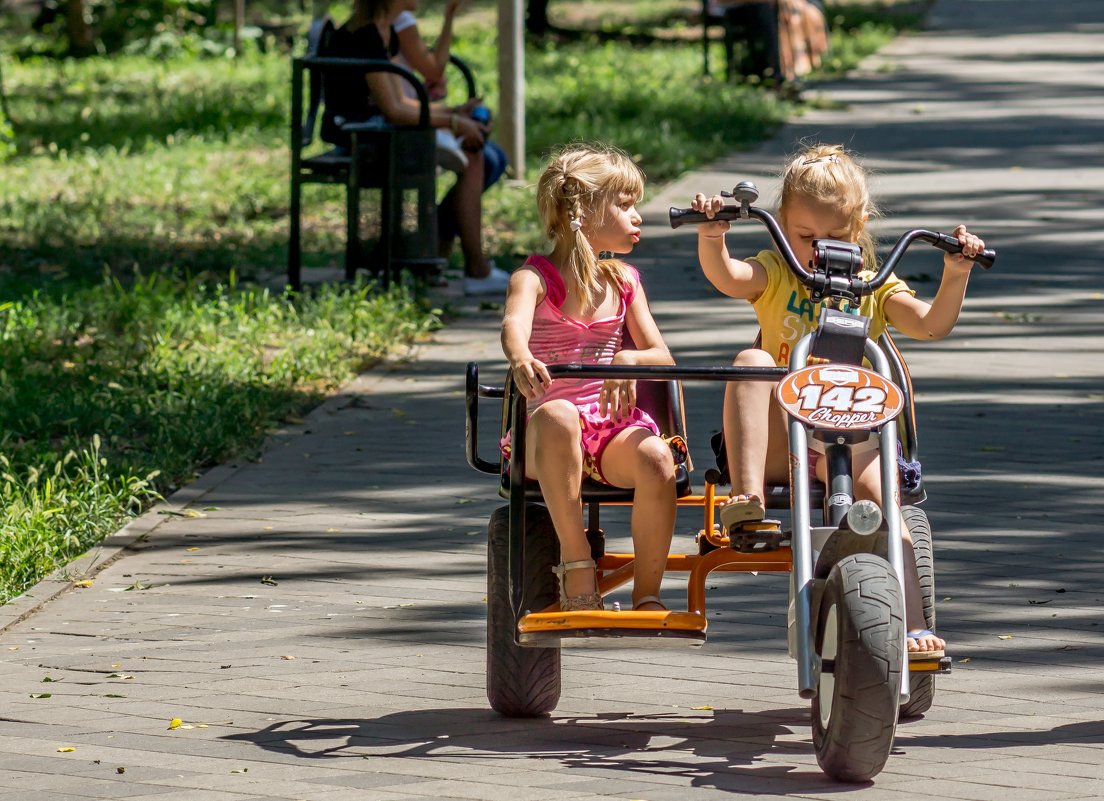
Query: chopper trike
point(846, 627)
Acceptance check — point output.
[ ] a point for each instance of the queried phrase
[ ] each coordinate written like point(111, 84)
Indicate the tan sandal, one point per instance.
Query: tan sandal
point(591, 601)
point(650, 599)
point(741, 509)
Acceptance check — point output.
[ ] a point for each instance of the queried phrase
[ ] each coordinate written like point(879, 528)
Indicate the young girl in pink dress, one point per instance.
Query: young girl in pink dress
point(573, 307)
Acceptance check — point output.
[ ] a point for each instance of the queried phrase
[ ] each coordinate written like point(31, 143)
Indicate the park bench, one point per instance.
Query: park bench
point(398, 161)
point(749, 34)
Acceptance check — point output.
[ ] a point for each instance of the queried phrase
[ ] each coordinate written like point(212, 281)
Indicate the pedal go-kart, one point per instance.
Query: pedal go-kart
point(846, 622)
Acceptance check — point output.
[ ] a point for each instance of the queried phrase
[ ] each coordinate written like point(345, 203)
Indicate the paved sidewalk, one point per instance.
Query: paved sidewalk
point(315, 619)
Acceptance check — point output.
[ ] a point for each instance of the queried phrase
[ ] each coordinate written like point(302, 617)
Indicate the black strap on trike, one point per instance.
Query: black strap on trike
point(840, 337)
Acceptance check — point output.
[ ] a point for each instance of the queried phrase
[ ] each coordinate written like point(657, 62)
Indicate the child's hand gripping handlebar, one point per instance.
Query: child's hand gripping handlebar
point(818, 277)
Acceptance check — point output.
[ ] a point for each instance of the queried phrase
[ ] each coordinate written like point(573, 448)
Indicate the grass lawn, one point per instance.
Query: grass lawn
point(143, 213)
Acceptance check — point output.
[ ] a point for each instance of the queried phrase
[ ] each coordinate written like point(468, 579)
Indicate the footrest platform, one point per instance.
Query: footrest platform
point(611, 629)
point(936, 664)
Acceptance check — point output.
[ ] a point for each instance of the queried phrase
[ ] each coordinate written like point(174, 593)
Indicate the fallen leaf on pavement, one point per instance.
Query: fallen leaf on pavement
point(190, 513)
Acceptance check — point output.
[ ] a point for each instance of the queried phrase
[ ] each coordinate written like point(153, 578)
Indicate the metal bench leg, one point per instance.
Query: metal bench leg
point(352, 213)
point(294, 242)
point(390, 215)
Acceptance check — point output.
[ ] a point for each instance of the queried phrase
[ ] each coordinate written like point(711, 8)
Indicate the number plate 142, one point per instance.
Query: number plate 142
point(839, 397)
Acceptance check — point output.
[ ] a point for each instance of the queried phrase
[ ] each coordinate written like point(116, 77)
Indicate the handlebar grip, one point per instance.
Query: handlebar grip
point(950, 244)
point(681, 217)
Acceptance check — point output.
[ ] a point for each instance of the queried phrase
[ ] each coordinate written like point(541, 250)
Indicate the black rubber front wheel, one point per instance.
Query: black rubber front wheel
point(921, 685)
point(521, 682)
point(860, 634)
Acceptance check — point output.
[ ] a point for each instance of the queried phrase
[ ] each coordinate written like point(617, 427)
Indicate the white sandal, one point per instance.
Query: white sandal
point(591, 601)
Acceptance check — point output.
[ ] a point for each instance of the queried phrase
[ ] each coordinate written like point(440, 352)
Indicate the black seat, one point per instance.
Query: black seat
point(399, 161)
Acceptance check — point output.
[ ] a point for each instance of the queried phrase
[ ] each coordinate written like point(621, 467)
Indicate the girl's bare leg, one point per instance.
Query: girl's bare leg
point(755, 452)
point(868, 486)
point(469, 215)
point(637, 458)
point(558, 465)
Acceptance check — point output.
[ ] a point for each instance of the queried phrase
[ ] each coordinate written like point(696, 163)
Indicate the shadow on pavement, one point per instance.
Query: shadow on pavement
point(722, 749)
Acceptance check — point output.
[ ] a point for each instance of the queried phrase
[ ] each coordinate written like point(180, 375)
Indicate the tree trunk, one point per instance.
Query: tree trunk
point(77, 29)
point(5, 112)
point(536, 18)
point(239, 23)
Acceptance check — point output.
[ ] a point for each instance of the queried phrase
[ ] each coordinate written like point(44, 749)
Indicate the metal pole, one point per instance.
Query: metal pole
point(890, 507)
point(801, 543)
point(511, 83)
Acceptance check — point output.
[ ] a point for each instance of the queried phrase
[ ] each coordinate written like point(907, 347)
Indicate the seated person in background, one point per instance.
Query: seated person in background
point(431, 65)
point(368, 34)
point(803, 37)
point(784, 40)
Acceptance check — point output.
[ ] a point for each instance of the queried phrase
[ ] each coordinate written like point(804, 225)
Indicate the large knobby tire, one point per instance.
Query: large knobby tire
point(860, 630)
point(921, 685)
point(521, 682)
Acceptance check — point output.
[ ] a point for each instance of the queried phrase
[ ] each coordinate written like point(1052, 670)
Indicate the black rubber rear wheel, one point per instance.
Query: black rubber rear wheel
point(860, 634)
point(521, 682)
point(921, 685)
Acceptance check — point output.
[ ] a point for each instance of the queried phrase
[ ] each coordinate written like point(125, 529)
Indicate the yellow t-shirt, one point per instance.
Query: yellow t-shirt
point(786, 313)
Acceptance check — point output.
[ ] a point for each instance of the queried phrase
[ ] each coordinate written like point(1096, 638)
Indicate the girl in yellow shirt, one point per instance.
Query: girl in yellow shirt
point(824, 196)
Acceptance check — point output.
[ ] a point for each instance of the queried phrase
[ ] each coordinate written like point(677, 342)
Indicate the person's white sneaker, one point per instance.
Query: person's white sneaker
point(449, 153)
point(494, 283)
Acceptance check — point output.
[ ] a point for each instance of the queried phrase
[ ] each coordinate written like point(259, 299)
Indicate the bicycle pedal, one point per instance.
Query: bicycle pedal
point(755, 536)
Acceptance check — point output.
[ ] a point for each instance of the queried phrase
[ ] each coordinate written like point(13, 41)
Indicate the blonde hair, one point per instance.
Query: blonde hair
point(579, 182)
point(829, 174)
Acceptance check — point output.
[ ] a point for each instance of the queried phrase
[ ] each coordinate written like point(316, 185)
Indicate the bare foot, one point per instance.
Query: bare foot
point(923, 641)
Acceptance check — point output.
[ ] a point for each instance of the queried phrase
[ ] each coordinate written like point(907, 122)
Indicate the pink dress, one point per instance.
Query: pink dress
point(559, 339)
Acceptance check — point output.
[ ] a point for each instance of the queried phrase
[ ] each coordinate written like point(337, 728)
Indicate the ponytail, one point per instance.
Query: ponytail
point(573, 191)
point(829, 174)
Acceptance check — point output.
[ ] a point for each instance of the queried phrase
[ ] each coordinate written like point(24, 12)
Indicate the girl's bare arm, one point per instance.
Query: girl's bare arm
point(650, 347)
point(619, 394)
point(522, 296)
point(732, 277)
point(399, 109)
point(430, 64)
point(918, 319)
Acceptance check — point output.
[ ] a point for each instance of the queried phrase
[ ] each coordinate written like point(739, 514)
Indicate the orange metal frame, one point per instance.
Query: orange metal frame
point(616, 570)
